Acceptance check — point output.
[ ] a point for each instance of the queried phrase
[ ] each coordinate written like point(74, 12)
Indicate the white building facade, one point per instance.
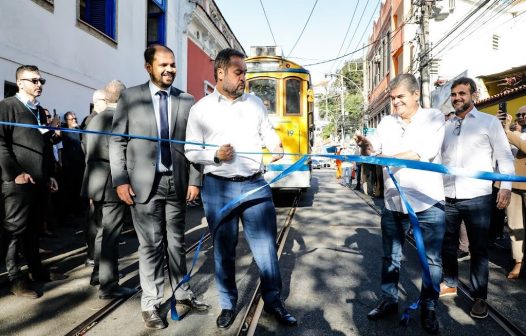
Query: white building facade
point(80, 45)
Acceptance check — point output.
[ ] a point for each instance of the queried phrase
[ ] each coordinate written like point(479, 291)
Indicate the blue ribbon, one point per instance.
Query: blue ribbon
point(383, 161)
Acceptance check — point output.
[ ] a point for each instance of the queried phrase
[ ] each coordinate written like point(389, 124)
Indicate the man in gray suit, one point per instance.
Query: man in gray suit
point(155, 178)
point(98, 187)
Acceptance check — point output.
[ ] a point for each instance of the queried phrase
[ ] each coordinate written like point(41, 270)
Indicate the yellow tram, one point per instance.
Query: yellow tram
point(285, 89)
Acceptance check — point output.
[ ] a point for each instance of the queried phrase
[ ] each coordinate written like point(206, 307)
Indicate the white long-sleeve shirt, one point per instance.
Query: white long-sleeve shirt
point(423, 135)
point(242, 123)
point(480, 143)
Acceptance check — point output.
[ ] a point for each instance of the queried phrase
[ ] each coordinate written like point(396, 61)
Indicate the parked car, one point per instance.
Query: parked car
point(315, 164)
point(325, 162)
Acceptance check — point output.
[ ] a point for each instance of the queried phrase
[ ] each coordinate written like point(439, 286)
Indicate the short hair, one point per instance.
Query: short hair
point(22, 68)
point(406, 80)
point(465, 81)
point(113, 90)
point(223, 59)
point(149, 53)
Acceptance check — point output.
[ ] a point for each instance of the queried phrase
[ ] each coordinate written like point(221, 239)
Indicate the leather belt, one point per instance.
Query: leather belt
point(236, 178)
point(166, 173)
point(455, 200)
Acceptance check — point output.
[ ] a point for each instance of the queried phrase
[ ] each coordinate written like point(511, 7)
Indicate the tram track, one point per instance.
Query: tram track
point(255, 307)
point(505, 323)
point(93, 320)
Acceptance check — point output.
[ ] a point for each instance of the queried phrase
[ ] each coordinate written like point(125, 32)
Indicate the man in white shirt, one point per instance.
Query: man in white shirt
point(238, 122)
point(412, 133)
point(473, 140)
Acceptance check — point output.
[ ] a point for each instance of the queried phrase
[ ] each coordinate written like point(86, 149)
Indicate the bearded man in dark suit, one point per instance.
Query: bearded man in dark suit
point(156, 179)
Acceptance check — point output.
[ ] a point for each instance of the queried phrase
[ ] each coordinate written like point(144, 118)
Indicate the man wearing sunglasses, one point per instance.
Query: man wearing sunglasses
point(26, 162)
point(473, 140)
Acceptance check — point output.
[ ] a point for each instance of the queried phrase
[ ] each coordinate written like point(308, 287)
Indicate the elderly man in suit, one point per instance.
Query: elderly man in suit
point(98, 187)
point(155, 178)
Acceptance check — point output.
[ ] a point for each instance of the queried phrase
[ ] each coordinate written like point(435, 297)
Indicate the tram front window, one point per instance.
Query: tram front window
point(293, 94)
point(265, 89)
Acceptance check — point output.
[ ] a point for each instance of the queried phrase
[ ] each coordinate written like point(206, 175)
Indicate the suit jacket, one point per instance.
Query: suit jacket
point(520, 159)
point(97, 183)
point(24, 149)
point(134, 160)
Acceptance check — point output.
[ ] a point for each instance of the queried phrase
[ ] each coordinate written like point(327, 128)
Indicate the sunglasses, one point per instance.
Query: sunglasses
point(35, 80)
point(518, 115)
point(48, 116)
point(71, 119)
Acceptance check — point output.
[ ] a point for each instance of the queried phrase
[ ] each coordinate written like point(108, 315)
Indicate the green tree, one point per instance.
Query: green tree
point(329, 104)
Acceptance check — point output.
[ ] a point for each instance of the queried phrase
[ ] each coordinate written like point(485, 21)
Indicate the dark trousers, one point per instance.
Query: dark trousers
point(21, 226)
point(94, 224)
point(476, 214)
point(258, 216)
point(159, 224)
point(106, 268)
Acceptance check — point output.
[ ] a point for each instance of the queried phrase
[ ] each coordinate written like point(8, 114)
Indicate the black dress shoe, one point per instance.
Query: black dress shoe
point(282, 315)
point(384, 308)
point(225, 319)
point(194, 304)
point(20, 287)
point(118, 293)
point(152, 320)
point(429, 321)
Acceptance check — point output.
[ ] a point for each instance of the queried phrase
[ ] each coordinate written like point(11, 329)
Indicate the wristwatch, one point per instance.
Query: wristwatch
point(216, 159)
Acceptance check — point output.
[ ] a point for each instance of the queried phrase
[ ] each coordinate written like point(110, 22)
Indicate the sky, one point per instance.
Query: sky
point(330, 32)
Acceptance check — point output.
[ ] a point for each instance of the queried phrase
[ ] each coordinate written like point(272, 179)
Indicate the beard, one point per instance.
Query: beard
point(462, 108)
point(234, 91)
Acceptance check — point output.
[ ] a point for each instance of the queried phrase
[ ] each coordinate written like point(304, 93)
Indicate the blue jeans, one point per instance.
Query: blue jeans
point(476, 214)
point(258, 217)
point(394, 227)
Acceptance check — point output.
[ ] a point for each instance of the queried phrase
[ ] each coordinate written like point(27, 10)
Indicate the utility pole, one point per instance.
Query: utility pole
point(342, 102)
point(425, 8)
point(365, 86)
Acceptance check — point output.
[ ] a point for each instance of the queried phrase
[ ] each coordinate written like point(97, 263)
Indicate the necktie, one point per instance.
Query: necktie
point(166, 157)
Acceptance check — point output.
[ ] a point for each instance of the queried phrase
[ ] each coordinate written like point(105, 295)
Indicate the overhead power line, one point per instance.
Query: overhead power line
point(305, 26)
point(348, 29)
point(268, 23)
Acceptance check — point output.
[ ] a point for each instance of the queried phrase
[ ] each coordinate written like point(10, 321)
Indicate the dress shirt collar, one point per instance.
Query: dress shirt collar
point(154, 89)
point(221, 97)
point(27, 102)
point(474, 113)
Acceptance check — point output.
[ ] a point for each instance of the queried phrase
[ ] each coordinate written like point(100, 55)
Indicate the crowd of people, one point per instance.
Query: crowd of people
point(100, 178)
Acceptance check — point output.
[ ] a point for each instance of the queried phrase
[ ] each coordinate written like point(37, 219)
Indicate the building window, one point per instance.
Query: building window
point(293, 96)
point(264, 88)
point(47, 4)
point(495, 42)
point(100, 14)
point(10, 89)
point(156, 25)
